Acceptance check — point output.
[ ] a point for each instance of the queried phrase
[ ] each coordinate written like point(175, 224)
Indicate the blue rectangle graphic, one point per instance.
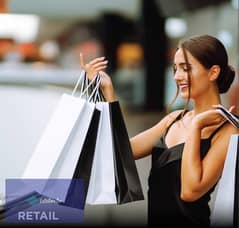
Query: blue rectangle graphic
point(44, 201)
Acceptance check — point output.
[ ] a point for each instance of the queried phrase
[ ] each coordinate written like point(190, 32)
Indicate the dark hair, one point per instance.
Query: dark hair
point(209, 51)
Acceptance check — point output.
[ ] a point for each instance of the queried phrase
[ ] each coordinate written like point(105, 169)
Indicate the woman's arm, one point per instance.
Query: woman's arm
point(142, 143)
point(197, 175)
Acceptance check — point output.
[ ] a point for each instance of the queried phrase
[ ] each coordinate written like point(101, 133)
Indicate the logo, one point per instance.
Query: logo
point(44, 201)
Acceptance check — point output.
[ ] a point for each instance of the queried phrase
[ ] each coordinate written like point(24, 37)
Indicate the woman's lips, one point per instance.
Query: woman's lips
point(183, 86)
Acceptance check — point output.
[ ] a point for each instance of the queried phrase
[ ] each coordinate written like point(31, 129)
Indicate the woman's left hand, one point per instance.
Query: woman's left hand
point(209, 118)
point(94, 66)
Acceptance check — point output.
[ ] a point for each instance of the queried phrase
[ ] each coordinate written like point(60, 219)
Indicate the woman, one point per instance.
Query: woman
point(188, 147)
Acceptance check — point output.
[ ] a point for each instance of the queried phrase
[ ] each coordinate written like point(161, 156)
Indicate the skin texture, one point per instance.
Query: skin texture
point(197, 176)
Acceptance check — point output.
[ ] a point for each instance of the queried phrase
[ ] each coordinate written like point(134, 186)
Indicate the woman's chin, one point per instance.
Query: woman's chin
point(184, 96)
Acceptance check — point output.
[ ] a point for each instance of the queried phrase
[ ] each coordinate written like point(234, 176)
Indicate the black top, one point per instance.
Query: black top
point(164, 204)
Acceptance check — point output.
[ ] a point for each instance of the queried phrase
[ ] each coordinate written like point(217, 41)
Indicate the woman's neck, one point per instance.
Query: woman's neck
point(204, 104)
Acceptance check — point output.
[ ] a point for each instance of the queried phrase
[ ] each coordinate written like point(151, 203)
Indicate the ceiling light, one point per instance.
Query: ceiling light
point(175, 27)
point(20, 27)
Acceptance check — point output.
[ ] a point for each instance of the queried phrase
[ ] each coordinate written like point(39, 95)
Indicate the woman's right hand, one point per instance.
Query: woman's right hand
point(94, 67)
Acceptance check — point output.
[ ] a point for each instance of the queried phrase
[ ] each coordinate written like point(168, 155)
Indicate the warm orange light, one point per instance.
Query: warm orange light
point(3, 6)
point(129, 53)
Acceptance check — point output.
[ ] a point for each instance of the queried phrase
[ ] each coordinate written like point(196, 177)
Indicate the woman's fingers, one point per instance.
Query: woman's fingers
point(93, 62)
point(99, 64)
point(93, 70)
point(99, 68)
point(219, 105)
point(96, 60)
point(232, 108)
point(93, 67)
point(216, 105)
point(82, 62)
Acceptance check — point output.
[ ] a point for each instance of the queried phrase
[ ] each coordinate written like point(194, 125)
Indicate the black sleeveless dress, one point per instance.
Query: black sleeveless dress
point(164, 204)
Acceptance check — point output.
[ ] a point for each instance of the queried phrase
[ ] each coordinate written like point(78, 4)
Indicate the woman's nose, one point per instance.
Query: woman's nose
point(178, 75)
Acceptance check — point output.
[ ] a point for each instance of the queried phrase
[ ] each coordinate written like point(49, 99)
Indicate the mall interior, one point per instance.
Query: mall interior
point(40, 46)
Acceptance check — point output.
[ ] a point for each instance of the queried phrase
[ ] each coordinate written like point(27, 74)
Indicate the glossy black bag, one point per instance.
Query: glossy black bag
point(127, 183)
point(128, 186)
point(84, 165)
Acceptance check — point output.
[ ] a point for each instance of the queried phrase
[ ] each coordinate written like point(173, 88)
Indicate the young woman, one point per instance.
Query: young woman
point(188, 147)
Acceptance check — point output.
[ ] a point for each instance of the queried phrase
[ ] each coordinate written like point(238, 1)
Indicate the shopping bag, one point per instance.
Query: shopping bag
point(58, 150)
point(102, 180)
point(84, 163)
point(225, 210)
point(232, 118)
point(111, 163)
point(128, 187)
point(67, 162)
point(54, 137)
point(60, 180)
point(113, 176)
point(65, 166)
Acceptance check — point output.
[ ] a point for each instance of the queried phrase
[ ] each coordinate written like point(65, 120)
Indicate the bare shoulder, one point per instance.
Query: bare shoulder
point(229, 129)
point(160, 126)
point(165, 122)
point(172, 116)
point(219, 145)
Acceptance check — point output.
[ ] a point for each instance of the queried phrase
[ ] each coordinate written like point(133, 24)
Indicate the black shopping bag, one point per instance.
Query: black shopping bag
point(84, 164)
point(128, 186)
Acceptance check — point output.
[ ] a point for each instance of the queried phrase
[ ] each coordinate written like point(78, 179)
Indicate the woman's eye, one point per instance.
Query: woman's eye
point(186, 69)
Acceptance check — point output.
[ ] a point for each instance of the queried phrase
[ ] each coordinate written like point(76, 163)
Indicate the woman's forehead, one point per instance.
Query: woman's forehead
point(179, 57)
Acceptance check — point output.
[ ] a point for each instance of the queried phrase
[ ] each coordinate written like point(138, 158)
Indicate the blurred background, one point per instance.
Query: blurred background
point(40, 43)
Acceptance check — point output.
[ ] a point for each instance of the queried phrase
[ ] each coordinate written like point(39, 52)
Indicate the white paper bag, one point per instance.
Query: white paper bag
point(102, 180)
point(58, 150)
point(65, 165)
point(222, 214)
point(54, 137)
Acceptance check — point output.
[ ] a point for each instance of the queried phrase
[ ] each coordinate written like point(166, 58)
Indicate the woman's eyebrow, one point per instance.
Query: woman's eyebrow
point(182, 64)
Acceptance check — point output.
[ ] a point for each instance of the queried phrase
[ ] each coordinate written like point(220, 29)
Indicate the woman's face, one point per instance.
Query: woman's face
point(197, 72)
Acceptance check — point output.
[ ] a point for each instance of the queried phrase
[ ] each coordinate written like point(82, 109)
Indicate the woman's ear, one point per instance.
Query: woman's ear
point(214, 72)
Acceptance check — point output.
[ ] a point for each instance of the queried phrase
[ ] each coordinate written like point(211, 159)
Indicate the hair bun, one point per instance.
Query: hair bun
point(225, 81)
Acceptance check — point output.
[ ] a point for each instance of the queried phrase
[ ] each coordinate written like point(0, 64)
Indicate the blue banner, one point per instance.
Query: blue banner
point(44, 201)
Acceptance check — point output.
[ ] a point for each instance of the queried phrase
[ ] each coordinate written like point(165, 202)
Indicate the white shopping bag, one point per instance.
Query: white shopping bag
point(59, 148)
point(65, 165)
point(225, 204)
point(54, 137)
point(102, 180)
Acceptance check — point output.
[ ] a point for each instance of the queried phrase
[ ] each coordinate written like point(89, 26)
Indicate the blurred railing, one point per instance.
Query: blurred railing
point(23, 74)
